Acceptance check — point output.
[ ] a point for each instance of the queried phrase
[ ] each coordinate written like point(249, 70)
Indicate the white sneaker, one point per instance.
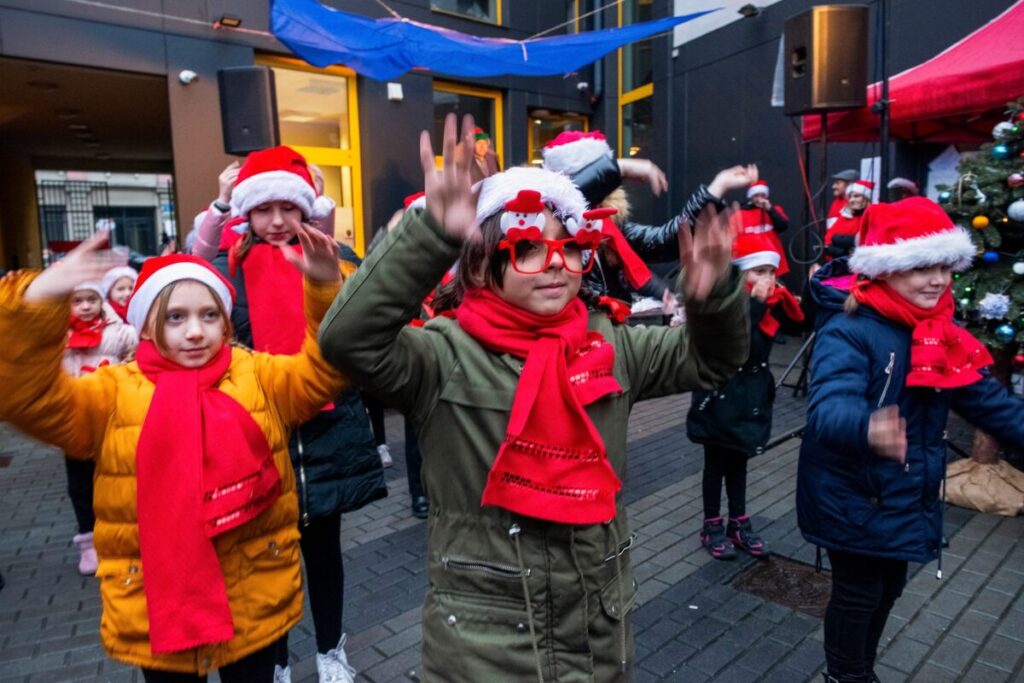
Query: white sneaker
point(385, 455)
point(333, 667)
point(282, 675)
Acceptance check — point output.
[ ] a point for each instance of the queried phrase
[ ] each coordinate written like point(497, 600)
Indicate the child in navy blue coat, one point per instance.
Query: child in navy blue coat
point(889, 365)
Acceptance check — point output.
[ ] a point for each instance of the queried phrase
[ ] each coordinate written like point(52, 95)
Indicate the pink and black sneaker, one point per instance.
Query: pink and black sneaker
point(742, 535)
point(713, 538)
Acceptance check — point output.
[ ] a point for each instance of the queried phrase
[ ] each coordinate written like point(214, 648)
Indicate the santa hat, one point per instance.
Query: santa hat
point(908, 234)
point(752, 250)
point(417, 200)
point(277, 174)
point(556, 191)
point(92, 286)
point(161, 271)
point(573, 150)
point(864, 187)
point(757, 187)
point(115, 274)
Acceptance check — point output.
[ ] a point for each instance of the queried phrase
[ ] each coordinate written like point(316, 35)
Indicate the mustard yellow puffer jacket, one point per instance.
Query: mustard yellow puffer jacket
point(100, 416)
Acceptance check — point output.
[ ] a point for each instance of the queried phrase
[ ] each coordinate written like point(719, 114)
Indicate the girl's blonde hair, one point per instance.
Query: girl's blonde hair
point(158, 313)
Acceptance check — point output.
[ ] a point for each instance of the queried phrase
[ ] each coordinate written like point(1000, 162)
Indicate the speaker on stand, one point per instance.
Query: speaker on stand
point(248, 109)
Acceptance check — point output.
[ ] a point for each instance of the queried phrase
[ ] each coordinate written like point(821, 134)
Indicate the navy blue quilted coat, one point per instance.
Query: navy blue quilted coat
point(848, 498)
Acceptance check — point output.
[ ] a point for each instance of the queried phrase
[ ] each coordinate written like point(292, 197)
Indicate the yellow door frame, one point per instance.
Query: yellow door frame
point(630, 96)
point(488, 93)
point(330, 156)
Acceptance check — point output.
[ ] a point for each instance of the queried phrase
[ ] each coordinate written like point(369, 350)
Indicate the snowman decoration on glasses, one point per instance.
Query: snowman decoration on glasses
point(523, 224)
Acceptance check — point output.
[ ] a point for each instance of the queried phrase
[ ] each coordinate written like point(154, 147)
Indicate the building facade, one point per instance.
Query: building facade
point(102, 87)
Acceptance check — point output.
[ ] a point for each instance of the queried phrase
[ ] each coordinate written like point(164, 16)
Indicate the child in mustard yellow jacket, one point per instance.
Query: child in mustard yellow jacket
point(195, 499)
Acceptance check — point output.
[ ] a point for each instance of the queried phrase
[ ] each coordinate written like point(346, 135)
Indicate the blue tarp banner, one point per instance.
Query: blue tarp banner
point(386, 48)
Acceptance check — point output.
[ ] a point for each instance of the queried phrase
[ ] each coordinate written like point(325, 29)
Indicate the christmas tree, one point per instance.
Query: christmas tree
point(988, 200)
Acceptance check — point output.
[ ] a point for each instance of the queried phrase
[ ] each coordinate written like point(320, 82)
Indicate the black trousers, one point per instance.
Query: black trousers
point(864, 590)
point(325, 582)
point(413, 461)
point(256, 668)
point(80, 474)
point(375, 409)
point(731, 465)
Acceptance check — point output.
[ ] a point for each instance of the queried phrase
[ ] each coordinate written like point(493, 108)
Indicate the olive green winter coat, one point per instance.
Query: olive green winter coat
point(484, 563)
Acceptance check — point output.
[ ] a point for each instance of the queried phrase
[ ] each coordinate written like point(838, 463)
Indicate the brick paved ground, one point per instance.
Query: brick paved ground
point(691, 623)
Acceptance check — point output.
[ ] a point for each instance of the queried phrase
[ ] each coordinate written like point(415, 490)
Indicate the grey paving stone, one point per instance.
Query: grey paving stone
point(1002, 653)
point(904, 654)
point(953, 653)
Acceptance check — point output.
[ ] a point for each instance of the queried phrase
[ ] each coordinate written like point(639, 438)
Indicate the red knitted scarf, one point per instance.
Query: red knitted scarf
point(942, 354)
point(552, 464)
point(203, 467)
point(86, 335)
point(273, 288)
point(790, 306)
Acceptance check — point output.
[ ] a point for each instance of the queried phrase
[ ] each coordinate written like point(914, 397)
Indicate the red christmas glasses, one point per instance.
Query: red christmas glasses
point(532, 256)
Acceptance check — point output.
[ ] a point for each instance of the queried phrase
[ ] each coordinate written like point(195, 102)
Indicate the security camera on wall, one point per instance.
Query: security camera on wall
point(187, 76)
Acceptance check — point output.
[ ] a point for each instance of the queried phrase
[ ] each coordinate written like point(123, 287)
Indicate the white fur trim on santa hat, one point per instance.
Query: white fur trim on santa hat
point(951, 247)
point(556, 190)
point(859, 188)
point(758, 258)
point(757, 189)
point(143, 297)
point(281, 186)
point(114, 274)
point(573, 156)
point(93, 286)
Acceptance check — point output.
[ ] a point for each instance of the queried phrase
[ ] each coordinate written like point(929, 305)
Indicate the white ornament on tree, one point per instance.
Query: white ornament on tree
point(994, 306)
point(1018, 268)
point(1003, 129)
point(1016, 211)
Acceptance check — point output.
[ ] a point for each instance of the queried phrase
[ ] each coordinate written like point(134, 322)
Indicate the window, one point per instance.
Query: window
point(485, 106)
point(318, 115)
point(481, 10)
point(545, 126)
point(636, 86)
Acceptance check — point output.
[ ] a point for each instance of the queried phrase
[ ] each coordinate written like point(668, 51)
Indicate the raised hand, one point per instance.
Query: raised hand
point(450, 198)
point(735, 178)
point(646, 171)
point(319, 258)
point(763, 289)
point(85, 263)
point(706, 254)
point(226, 182)
point(887, 433)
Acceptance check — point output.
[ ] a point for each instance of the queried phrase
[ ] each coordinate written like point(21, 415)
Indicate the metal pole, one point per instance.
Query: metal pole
point(882, 106)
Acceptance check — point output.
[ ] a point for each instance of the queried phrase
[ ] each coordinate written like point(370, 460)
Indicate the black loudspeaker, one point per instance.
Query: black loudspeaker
point(248, 109)
point(826, 52)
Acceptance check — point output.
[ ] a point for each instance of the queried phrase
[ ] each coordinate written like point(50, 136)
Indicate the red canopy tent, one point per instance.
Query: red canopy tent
point(956, 96)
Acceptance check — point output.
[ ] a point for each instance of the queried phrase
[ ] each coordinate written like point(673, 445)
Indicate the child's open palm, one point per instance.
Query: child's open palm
point(85, 263)
point(319, 258)
point(706, 254)
point(450, 198)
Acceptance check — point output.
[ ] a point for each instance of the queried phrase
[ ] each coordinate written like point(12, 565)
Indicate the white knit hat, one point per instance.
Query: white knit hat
point(92, 286)
point(556, 191)
point(115, 274)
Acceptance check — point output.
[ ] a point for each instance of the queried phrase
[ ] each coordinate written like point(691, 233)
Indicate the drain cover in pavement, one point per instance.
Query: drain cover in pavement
point(791, 584)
